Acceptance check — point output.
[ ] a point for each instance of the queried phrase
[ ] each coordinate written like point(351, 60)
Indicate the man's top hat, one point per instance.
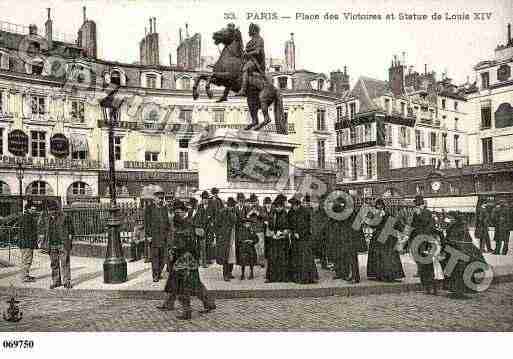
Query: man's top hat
point(267, 200)
point(159, 194)
point(193, 201)
point(419, 200)
point(280, 200)
point(240, 196)
point(204, 195)
point(294, 200)
point(231, 202)
point(253, 198)
point(214, 190)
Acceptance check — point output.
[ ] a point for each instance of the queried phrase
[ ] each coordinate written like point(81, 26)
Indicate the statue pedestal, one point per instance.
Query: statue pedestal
point(245, 161)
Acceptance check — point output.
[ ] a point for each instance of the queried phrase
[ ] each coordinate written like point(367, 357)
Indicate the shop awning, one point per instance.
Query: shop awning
point(462, 204)
point(78, 143)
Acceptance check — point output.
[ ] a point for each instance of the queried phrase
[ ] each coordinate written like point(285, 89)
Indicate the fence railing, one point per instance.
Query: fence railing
point(9, 237)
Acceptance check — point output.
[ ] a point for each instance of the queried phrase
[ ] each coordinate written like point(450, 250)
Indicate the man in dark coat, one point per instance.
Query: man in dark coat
point(302, 263)
point(28, 240)
point(337, 232)
point(225, 246)
point(319, 238)
point(483, 224)
point(157, 229)
point(184, 279)
point(200, 218)
point(279, 244)
point(265, 218)
point(501, 217)
point(60, 232)
point(215, 205)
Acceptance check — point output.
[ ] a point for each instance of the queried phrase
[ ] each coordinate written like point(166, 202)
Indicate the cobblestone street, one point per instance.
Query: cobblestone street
point(490, 311)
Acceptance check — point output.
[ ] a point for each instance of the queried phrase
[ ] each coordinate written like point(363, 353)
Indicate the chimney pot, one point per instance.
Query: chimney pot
point(154, 24)
point(48, 9)
point(84, 12)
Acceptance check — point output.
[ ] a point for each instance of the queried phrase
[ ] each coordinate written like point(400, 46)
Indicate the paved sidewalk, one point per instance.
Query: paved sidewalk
point(87, 280)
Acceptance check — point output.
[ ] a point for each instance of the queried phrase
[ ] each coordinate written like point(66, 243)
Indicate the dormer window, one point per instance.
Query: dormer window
point(115, 78)
point(320, 84)
point(282, 82)
point(485, 80)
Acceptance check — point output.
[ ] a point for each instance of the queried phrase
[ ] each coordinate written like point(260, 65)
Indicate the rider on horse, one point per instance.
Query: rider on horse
point(254, 57)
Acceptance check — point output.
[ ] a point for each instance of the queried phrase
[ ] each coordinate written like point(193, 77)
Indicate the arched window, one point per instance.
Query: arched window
point(39, 188)
point(4, 188)
point(79, 188)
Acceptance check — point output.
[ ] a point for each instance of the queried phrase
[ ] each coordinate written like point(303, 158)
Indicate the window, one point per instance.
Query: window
point(321, 120)
point(456, 123)
point(186, 115)
point(79, 155)
point(487, 146)
point(368, 132)
point(339, 139)
point(420, 161)
point(183, 143)
point(403, 109)
point(115, 78)
point(340, 163)
point(433, 161)
point(320, 84)
point(286, 115)
point(443, 103)
point(1, 141)
point(485, 80)
point(433, 141)
point(403, 136)
point(321, 153)
point(457, 163)
point(183, 160)
point(186, 83)
point(353, 168)
point(218, 116)
point(78, 188)
point(151, 81)
point(352, 135)
point(405, 161)
point(151, 156)
point(38, 188)
point(418, 140)
point(37, 68)
point(388, 135)
point(37, 104)
point(444, 143)
point(117, 148)
point(369, 164)
point(455, 105)
point(38, 144)
point(456, 144)
point(352, 109)
point(486, 116)
point(340, 113)
point(77, 111)
point(282, 82)
point(1, 100)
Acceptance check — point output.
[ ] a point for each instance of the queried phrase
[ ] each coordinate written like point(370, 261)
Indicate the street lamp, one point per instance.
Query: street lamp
point(20, 173)
point(114, 266)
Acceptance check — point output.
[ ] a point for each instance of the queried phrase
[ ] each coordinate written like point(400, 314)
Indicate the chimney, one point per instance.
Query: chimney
point(151, 26)
point(292, 36)
point(49, 30)
point(186, 30)
point(180, 35)
point(154, 24)
point(396, 77)
point(510, 40)
point(170, 60)
point(84, 12)
point(345, 70)
point(425, 69)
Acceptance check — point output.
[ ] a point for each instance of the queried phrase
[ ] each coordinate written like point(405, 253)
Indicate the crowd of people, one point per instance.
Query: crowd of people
point(285, 236)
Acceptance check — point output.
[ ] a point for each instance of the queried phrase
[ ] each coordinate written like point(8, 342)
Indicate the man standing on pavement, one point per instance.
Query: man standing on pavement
point(60, 232)
point(157, 229)
point(184, 279)
point(500, 216)
point(200, 221)
point(28, 240)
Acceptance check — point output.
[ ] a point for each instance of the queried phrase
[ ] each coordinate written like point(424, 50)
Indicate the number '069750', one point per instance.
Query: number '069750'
point(18, 344)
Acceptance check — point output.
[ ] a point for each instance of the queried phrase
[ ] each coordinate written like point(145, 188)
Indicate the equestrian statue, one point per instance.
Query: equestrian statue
point(244, 72)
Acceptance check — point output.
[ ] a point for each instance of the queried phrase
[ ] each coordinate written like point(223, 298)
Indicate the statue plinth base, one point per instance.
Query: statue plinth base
point(245, 161)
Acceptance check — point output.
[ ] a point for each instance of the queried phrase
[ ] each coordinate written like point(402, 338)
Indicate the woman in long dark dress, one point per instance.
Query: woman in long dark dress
point(302, 263)
point(279, 245)
point(388, 266)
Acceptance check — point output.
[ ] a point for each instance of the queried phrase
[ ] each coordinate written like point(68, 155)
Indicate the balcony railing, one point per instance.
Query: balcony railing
point(45, 163)
point(310, 164)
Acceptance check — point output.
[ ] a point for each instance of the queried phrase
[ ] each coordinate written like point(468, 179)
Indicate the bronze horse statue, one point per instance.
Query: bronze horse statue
point(227, 72)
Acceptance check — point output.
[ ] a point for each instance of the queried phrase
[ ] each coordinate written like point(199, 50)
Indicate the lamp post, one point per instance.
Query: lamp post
point(20, 173)
point(114, 266)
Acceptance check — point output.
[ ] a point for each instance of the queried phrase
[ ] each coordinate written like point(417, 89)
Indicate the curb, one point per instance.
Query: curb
point(356, 290)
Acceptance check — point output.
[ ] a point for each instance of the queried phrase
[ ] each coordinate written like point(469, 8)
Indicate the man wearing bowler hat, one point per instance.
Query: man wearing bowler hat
point(158, 231)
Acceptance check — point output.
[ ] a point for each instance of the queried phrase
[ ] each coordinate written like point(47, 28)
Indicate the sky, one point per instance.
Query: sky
point(366, 47)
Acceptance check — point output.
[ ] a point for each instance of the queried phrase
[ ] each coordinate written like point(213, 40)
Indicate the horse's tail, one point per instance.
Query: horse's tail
point(279, 115)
